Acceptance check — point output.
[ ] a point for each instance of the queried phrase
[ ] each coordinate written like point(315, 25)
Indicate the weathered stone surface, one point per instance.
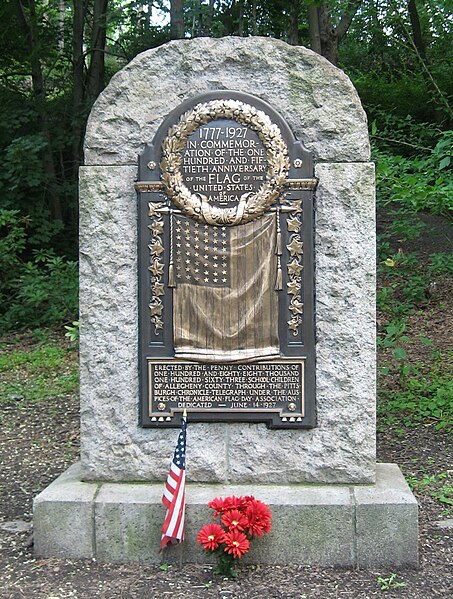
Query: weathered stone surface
point(340, 450)
point(127, 518)
point(345, 304)
point(16, 526)
point(317, 99)
point(62, 517)
point(447, 523)
point(386, 520)
point(311, 524)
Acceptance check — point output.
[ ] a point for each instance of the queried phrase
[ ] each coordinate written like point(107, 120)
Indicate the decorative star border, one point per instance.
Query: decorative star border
point(156, 265)
point(295, 248)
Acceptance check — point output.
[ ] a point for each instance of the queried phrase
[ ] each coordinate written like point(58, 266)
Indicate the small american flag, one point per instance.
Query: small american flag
point(174, 494)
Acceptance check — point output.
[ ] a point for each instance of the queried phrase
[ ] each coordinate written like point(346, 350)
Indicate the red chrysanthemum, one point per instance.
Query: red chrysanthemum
point(217, 505)
point(210, 536)
point(234, 519)
point(233, 503)
point(248, 499)
point(259, 518)
point(236, 543)
point(221, 505)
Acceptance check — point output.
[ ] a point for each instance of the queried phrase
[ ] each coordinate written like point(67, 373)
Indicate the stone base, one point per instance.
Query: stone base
point(329, 525)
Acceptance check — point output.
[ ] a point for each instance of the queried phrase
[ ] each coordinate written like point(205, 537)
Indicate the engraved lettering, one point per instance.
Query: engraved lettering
point(262, 386)
point(224, 160)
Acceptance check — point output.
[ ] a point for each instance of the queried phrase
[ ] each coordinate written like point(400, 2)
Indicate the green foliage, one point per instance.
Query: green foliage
point(132, 30)
point(23, 150)
point(392, 133)
point(439, 486)
point(39, 373)
point(388, 95)
point(73, 331)
point(416, 393)
point(390, 582)
point(39, 291)
point(12, 240)
point(226, 566)
point(421, 177)
point(391, 72)
point(441, 264)
point(405, 281)
point(416, 183)
point(424, 394)
point(44, 292)
point(402, 288)
point(164, 567)
point(12, 243)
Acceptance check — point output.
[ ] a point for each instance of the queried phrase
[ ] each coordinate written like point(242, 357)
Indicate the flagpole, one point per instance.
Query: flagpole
point(184, 415)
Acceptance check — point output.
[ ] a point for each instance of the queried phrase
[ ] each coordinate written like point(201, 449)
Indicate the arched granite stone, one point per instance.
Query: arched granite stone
point(318, 100)
point(322, 108)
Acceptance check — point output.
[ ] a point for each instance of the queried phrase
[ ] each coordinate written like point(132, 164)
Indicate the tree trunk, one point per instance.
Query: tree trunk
point(209, 17)
point(313, 28)
point(176, 19)
point(254, 23)
point(416, 28)
point(442, 109)
point(28, 18)
point(149, 14)
point(327, 34)
point(96, 70)
point(78, 85)
point(241, 18)
point(324, 37)
point(194, 23)
point(61, 16)
point(294, 11)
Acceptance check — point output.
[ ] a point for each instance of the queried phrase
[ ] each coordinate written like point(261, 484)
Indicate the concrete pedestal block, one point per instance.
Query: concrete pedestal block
point(63, 517)
point(331, 525)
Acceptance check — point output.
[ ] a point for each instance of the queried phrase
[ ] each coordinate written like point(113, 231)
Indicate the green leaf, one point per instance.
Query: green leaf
point(446, 160)
point(400, 353)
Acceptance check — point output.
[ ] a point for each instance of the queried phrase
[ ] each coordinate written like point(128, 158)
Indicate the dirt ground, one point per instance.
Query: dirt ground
point(38, 441)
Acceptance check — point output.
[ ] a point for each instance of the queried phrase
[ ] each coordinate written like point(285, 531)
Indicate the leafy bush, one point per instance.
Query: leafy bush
point(385, 92)
point(422, 182)
point(37, 373)
point(44, 292)
point(425, 393)
point(34, 292)
point(12, 240)
point(12, 243)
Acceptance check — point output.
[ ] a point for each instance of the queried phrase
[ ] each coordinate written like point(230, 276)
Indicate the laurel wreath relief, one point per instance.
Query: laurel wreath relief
point(252, 204)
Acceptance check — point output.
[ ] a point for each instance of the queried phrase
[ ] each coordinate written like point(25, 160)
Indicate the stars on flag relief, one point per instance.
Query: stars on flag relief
point(201, 253)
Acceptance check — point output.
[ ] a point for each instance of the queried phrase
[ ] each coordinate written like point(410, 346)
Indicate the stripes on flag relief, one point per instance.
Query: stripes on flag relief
point(174, 493)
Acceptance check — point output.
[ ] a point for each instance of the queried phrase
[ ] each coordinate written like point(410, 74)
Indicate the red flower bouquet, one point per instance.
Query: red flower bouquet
point(241, 519)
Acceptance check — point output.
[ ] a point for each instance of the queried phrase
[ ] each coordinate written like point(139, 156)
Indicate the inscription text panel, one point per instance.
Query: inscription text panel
point(271, 386)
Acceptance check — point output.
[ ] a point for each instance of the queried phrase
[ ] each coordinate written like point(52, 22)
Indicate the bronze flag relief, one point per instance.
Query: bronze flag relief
point(224, 303)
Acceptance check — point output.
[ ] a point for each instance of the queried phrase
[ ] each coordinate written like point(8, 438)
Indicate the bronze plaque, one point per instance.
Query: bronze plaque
point(268, 390)
point(226, 267)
